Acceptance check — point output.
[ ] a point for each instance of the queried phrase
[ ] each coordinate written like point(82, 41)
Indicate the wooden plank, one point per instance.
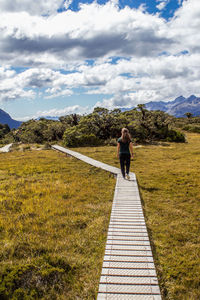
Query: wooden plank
point(110, 296)
point(129, 289)
point(129, 280)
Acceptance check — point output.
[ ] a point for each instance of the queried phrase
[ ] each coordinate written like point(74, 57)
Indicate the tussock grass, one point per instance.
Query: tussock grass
point(169, 182)
point(54, 214)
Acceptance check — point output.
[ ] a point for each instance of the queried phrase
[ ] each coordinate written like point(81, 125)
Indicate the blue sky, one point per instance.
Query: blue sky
point(59, 57)
point(151, 6)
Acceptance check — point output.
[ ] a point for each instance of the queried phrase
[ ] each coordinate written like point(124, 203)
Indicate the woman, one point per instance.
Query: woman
point(125, 151)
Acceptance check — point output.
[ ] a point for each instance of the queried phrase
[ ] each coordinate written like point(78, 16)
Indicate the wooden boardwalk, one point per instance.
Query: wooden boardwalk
point(128, 271)
point(6, 148)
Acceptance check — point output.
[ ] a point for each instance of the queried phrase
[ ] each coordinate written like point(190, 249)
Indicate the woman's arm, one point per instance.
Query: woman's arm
point(131, 148)
point(118, 148)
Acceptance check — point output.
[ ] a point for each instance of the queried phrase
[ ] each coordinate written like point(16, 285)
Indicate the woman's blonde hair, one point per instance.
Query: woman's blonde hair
point(125, 135)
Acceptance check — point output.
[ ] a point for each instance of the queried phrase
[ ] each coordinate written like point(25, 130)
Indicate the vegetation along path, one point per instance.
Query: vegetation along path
point(128, 269)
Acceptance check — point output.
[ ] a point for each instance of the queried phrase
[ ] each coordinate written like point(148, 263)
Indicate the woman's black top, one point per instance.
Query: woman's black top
point(124, 147)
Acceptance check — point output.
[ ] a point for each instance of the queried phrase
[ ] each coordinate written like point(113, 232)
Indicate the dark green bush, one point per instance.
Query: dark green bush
point(74, 137)
point(4, 129)
point(39, 131)
point(175, 136)
point(104, 127)
point(34, 280)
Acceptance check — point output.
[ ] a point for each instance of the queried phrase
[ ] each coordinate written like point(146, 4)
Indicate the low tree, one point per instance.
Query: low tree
point(141, 107)
point(188, 115)
point(70, 120)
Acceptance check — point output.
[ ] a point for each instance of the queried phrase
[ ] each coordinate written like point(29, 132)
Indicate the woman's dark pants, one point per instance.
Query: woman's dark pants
point(125, 160)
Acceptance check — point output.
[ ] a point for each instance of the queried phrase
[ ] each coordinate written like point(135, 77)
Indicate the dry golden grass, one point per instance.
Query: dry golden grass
point(54, 213)
point(54, 218)
point(169, 183)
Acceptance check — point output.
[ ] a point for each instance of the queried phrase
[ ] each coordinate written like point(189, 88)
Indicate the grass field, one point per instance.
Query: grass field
point(55, 213)
point(169, 183)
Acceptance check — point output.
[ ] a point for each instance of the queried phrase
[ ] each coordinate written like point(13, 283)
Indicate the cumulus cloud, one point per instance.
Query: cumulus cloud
point(62, 112)
point(6, 72)
point(157, 59)
point(81, 35)
point(162, 4)
point(184, 26)
point(128, 100)
point(62, 93)
point(43, 7)
point(78, 109)
point(145, 79)
point(25, 84)
point(9, 94)
point(152, 79)
point(62, 38)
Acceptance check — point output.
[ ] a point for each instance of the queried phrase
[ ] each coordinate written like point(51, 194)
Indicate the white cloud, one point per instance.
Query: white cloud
point(57, 112)
point(184, 27)
point(62, 112)
point(36, 7)
point(23, 85)
point(17, 93)
point(156, 78)
point(74, 36)
point(65, 40)
point(62, 93)
point(128, 100)
point(67, 4)
point(6, 72)
point(62, 39)
point(162, 4)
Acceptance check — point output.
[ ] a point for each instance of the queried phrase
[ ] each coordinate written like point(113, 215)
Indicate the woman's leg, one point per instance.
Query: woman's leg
point(128, 161)
point(122, 163)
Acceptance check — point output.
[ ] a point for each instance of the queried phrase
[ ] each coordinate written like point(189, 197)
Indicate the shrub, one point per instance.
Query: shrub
point(74, 137)
point(111, 142)
point(71, 137)
point(175, 136)
point(31, 281)
point(89, 140)
point(4, 129)
point(39, 131)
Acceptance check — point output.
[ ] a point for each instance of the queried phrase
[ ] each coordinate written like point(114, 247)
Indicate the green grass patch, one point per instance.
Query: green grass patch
point(169, 182)
point(54, 214)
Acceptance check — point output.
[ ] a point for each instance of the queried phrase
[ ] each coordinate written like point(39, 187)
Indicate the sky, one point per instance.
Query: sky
point(59, 57)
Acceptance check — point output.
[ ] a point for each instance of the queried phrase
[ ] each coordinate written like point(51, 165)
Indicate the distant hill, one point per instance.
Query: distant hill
point(177, 107)
point(5, 118)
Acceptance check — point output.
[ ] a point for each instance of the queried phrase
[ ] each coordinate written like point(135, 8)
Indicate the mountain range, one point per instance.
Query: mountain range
point(5, 118)
point(177, 108)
